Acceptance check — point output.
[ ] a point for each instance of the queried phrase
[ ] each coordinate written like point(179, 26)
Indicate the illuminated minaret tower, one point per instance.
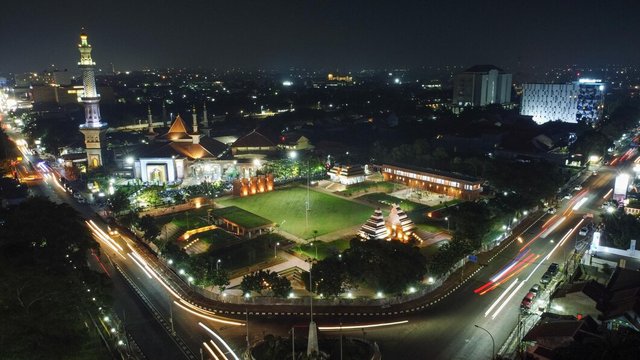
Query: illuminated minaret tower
point(92, 128)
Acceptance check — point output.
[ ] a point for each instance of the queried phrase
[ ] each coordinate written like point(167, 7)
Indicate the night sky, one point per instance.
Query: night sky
point(341, 34)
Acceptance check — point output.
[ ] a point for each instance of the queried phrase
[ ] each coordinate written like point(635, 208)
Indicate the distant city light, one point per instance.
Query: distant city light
point(287, 83)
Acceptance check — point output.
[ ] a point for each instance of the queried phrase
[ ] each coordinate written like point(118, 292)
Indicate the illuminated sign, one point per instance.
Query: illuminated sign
point(589, 81)
point(621, 185)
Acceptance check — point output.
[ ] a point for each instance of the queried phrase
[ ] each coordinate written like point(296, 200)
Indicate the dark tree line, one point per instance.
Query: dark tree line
point(47, 290)
point(387, 266)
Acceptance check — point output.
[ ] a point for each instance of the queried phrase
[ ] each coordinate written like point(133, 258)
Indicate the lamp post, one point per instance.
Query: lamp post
point(173, 332)
point(493, 343)
point(218, 266)
point(275, 250)
point(316, 246)
point(447, 220)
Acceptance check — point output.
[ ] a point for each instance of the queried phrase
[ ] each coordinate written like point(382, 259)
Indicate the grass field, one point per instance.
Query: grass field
point(324, 249)
point(287, 207)
point(242, 217)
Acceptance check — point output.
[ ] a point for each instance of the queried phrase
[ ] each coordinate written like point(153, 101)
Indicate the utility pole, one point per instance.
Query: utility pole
point(173, 331)
point(293, 343)
point(247, 321)
point(340, 339)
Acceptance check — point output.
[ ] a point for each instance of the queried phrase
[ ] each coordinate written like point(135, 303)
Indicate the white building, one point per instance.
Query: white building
point(582, 100)
point(481, 85)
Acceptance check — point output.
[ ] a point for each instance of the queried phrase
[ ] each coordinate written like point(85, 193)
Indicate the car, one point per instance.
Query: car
point(535, 289)
point(578, 187)
point(553, 269)
point(567, 196)
point(546, 279)
point(584, 231)
point(594, 173)
point(551, 210)
point(527, 301)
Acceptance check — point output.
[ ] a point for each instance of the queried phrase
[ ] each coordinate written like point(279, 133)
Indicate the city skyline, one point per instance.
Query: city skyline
point(327, 35)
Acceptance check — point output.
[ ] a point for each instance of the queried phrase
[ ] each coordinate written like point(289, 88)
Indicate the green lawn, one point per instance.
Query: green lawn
point(324, 248)
point(384, 201)
point(243, 254)
point(431, 227)
point(218, 238)
point(286, 207)
point(242, 217)
point(190, 219)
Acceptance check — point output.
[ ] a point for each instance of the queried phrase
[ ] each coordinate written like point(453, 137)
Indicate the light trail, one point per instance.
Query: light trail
point(107, 240)
point(521, 266)
point(219, 350)
point(506, 301)
point(101, 264)
point(105, 235)
point(356, 327)
point(549, 221)
point(509, 266)
point(140, 265)
point(553, 227)
point(55, 180)
point(210, 351)
point(204, 316)
point(500, 297)
point(607, 194)
point(580, 203)
point(224, 343)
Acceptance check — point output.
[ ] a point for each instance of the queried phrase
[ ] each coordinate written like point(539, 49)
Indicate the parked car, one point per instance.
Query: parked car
point(567, 196)
point(551, 210)
point(578, 187)
point(553, 269)
point(584, 231)
point(527, 301)
point(535, 289)
point(546, 279)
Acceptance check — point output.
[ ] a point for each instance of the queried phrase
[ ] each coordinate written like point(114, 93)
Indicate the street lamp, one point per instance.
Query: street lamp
point(218, 265)
point(447, 220)
point(493, 343)
point(275, 249)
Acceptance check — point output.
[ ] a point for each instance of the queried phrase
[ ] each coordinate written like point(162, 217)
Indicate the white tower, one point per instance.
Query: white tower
point(195, 135)
point(92, 128)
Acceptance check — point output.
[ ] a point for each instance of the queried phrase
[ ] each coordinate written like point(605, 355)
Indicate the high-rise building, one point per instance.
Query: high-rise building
point(582, 100)
point(93, 129)
point(481, 85)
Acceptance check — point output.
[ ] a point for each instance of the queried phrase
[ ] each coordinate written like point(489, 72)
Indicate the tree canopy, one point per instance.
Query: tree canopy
point(47, 290)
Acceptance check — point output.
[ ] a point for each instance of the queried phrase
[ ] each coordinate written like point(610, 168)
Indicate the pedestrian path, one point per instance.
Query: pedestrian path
point(291, 262)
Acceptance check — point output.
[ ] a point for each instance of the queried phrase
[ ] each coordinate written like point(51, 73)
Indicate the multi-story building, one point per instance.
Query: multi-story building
point(481, 85)
point(452, 184)
point(582, 101)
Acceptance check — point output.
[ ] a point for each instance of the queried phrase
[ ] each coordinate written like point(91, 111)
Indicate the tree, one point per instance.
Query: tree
point(330, 276)
point(266, 280)
point(388, 266)
point(221, 279)
point(471, 221)
point(45, 276)
point(119, 202)
point(148, 225)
